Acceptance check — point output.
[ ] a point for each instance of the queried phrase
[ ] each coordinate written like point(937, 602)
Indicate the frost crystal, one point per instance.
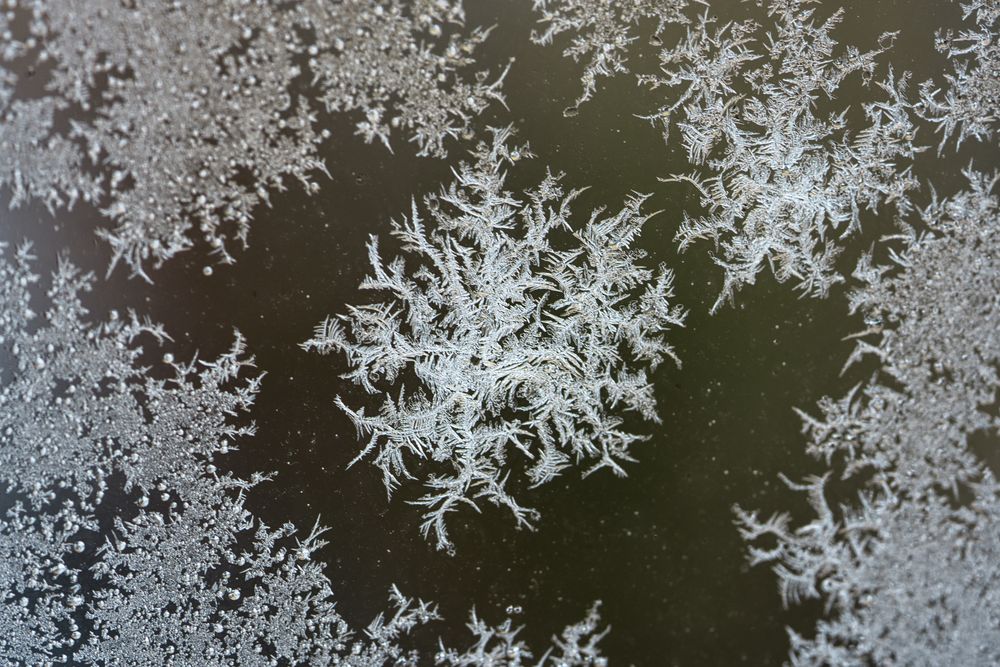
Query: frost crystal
point(122, 543)
point(909, 571)
point(511, 342)
point(782, 182)
point(904, 582)
point(499, 645)
point(968, 106)
point(602, 31)
point(177, 116)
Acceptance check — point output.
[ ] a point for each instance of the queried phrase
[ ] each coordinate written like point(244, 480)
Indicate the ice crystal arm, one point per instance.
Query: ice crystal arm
point(499, 645)
point(601, 32)
point(524, 355)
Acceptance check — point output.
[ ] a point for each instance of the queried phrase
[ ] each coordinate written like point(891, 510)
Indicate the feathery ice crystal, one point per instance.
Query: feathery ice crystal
point(122, 543)
point(601, 32)
point(970, 104)
point(182, 116)
point(782, 183)
point(526, 337)
point(909, 571)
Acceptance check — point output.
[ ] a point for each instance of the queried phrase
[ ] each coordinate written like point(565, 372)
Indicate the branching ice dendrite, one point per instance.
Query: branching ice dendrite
point(601, 32)
point(177, 117)
point(781, 183)
point(526, 337)
point(904, 581)
point(499, 645)
point(122, 542)
point(969, 106)
point(909, 570)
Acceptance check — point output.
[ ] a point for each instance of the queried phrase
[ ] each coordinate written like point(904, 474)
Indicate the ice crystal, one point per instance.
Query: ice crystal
point(183, 116)
point(904, 581)
point(122, 542)
point(968, 105)
point(935, 317)
point(601, 32)
point(525, 335)
point(498, 645)
point(782, 182)
point(909, 570)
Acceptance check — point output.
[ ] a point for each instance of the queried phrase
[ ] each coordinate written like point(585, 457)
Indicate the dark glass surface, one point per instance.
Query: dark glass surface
point(658, 548)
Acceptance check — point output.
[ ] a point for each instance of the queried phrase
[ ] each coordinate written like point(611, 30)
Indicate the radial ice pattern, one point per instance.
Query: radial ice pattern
point(782, 183)
point(528, 336)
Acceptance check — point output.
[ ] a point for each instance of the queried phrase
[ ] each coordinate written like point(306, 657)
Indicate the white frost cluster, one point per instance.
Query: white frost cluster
point(511, 343)
point(910, 570)
point(178, 118)
point(969, 105)
point(907, 569)
point(782, 183)
point(123, 543)
point(600, 32)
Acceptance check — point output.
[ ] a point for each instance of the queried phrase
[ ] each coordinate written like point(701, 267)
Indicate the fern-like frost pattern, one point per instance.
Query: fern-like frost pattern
point(527, 337)
point(122, 541)
point(180, 119)
point(908, 570)
point(781, 184)
point(967, 105)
